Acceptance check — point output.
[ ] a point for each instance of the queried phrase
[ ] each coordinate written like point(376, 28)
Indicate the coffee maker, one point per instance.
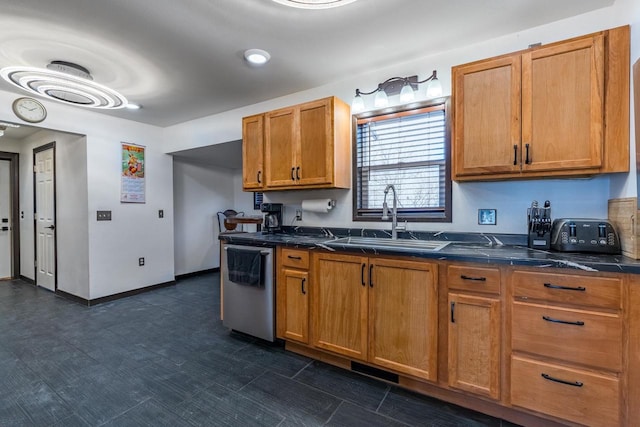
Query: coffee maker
point(272, 217)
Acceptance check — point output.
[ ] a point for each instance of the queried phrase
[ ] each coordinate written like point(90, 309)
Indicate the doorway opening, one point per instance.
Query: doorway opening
point(9, 216)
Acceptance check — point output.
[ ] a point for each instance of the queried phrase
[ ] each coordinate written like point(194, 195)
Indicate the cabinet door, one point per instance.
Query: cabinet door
point(252, 152)
point(487, 117)
point(280, 141)
point(314, 154)
point(295, 310)
point(562, 105)
point(474, 344)
point(339, 304)
point(403, 316)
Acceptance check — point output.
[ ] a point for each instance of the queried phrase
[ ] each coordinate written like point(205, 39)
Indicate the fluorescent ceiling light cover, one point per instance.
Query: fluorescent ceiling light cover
point(314, 4)
point(63, 87)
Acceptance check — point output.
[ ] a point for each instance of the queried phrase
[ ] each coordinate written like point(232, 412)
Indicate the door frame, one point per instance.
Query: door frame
point(51, 145)
point(14, 171)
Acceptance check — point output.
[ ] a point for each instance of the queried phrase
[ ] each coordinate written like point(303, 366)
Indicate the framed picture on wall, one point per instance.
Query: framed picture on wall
point(132, 184)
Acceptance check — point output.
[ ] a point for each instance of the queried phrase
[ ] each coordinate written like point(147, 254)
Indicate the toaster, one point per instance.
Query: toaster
point(584, 235)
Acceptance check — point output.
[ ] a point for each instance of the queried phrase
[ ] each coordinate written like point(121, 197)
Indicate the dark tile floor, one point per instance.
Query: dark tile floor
point(163, 358)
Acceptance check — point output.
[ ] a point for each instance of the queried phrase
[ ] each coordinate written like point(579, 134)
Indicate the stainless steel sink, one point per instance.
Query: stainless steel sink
point(377, 242)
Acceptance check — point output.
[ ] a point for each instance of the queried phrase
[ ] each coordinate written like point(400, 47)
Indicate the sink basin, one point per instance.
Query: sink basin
point(429, 245)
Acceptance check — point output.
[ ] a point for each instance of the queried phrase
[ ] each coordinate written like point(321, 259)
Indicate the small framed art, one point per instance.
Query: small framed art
point(487, 216)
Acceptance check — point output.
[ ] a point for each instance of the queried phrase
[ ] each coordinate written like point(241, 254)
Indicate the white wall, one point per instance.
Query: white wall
point(199, 192)
point(571, 197)
point(111, 260)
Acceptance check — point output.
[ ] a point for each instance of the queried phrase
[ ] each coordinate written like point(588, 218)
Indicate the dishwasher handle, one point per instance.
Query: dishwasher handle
point(263, 253)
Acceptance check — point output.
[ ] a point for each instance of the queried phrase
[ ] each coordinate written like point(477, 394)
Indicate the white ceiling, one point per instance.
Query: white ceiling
point(183, 59)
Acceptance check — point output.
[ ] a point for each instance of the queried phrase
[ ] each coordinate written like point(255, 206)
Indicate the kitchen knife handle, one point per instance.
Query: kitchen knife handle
point(298, 173)
point(565, 288)
point(565, 322)
point(302, 286)
point(571, 383)
point(362, 274)
point(515, 154)
point(527, 160)
point(293, 178)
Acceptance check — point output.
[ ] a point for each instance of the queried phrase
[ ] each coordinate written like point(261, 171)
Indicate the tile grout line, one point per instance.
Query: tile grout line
point(386, 393)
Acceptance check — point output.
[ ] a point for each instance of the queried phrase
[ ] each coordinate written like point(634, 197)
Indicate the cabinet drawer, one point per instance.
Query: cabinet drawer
point(478, 279)
point(295, 258)
point(578, 336)
point(567, 288)
point(571, 394)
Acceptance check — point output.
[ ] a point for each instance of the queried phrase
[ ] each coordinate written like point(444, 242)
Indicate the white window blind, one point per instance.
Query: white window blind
point(407, 149)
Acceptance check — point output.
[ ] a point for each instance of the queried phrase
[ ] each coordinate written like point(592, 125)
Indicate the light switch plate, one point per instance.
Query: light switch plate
point(104, 216)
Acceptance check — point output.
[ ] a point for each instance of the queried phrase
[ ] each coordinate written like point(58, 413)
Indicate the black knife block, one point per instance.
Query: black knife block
point(539, 227)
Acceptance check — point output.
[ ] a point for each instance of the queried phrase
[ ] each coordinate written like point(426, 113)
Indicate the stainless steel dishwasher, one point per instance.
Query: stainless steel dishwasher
point(250, 309)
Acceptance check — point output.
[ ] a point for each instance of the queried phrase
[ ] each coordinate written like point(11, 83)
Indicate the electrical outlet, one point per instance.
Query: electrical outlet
point(141, 261)
point(298, 214)
point(161, 213)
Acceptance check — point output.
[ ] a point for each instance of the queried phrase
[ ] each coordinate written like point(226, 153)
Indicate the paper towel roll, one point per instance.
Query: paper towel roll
point(318, 205)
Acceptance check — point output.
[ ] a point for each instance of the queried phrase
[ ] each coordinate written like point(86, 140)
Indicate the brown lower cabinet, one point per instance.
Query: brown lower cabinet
point(538, 348)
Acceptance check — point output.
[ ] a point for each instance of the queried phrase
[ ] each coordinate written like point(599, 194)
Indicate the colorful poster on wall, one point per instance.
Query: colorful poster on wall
point(132, 183)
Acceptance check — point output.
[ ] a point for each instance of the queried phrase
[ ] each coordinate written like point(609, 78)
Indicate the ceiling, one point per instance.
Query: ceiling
point(183, 59)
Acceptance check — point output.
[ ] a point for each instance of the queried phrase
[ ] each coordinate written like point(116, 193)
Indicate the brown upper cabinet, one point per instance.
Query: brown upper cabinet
point(556, 110)
point(305, 146)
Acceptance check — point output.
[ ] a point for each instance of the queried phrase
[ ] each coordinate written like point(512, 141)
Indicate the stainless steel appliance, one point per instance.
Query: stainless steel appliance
point(539, 225)
point(249, 308)
point(273, 217)
point(584, 235)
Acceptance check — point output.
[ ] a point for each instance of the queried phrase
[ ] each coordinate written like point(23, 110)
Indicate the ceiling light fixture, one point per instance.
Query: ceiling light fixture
point(132, 106)
point(65, 82)
point(257, 56)
point(314, 4)
point(405, 86)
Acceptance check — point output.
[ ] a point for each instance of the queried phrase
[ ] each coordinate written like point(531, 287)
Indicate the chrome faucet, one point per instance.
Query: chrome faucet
point(394, 211)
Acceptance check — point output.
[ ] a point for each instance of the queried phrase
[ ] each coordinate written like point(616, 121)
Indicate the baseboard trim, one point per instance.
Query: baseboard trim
point(26, 279)
point(101, 300)
point(197, 273)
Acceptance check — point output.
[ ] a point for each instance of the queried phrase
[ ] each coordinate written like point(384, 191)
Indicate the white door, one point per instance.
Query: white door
point(45, 220)
point(5, 220)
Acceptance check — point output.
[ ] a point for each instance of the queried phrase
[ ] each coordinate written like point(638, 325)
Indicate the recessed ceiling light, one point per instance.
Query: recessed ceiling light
point(314, 4)
point(132, 106)
point(65, 82)
point(257, 56)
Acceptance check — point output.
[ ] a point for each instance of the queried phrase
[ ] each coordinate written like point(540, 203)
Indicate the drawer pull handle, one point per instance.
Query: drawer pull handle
point(294, 257)
point(302, 286)
point(566, 322)
point(478, 279)
point(571, 383)
point(453, 307)
point(565, 288)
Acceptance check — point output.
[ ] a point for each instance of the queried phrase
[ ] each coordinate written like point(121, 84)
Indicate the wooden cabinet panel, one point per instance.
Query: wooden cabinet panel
point(475, 279)
point(578, 336)
point(252, 152)
point(554, 110)
point(474, 344)
point(601, 292)
point(296, 319)
point(280, 139)
point(562, 105)
point(315, 151)
point(403, 316)
point(572, 394)
point(339, 309)
point(295, 258)
point(487, 117)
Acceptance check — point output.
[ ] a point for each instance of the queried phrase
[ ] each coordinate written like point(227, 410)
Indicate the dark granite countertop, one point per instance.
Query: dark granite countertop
point(509, 249)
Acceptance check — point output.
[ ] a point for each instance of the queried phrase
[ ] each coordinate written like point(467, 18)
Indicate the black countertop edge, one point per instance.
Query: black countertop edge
point(464, 250)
